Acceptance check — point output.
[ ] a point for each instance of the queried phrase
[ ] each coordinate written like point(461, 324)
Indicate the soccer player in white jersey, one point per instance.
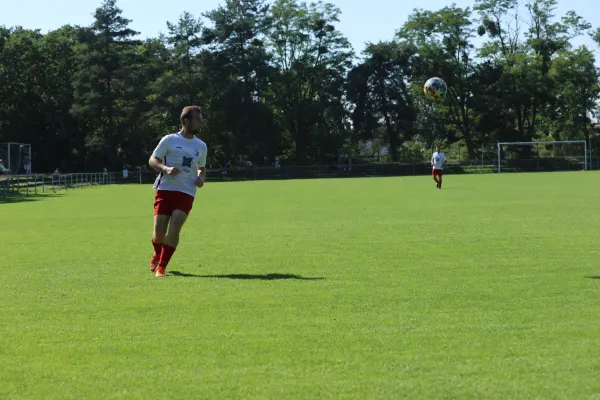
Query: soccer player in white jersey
point(438, 159)
point(180, 159)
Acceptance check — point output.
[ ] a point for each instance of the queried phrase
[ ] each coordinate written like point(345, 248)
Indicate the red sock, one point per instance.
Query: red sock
point(157, 251)
point(165, 255)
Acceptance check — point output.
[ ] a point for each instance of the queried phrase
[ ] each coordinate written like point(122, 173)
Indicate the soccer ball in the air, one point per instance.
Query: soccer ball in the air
point(435, 88)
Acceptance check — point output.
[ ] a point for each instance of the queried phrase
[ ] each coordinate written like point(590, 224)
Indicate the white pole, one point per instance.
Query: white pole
point(585, 158)
point(8, 152)
point(499, 168)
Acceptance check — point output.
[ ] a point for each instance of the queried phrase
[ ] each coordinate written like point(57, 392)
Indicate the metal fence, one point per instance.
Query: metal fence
point(29, 185)
point(25, 185)
point(21, 185)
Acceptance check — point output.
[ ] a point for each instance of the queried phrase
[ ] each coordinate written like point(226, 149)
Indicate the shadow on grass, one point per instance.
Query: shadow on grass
point(23, 198)
point(266, 277)
point(593, 277)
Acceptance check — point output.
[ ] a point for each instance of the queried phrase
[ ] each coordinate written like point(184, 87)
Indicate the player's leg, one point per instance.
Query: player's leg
point(161, 224)
point(441, 173)
point(163, 207)
point(171, 240)
point(182, 206)
point(178, 218)
point(435, 178)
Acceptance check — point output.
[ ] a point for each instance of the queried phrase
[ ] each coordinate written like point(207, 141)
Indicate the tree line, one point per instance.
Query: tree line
point(279, 80)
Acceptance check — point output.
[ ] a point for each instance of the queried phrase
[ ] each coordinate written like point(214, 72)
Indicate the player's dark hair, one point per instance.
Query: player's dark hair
point(188, 111)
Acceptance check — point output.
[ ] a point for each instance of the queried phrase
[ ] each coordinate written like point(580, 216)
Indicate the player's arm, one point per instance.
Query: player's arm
point(201, 176)
point(155, 161)
point(157, 164)
point(201, 170)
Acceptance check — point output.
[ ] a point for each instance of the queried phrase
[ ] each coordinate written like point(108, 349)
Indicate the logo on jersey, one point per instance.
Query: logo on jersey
point(187, 162)
point(197, 152)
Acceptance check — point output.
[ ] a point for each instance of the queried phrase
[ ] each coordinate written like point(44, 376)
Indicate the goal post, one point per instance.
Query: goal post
point(577, 152)
point(16, 158)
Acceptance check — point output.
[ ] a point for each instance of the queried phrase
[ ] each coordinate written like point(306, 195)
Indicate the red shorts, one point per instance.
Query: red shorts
point(438, 172)
point(167, 201)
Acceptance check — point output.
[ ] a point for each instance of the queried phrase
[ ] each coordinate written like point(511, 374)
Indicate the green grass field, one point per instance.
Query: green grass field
point(347, 288)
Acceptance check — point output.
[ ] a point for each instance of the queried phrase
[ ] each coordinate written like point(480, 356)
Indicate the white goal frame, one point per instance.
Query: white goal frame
point(585, 152)
point(6, 146)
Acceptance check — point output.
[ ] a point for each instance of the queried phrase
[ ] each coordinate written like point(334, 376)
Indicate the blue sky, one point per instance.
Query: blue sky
point(361, 21)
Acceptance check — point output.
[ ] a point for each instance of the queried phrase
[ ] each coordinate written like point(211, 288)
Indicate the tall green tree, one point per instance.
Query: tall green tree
point(175, 72)
point(104, 95)
point(312, 58)
point(22, 79)
point(576, 96)
point(184, 77)
point(36, 94)
point(444, 39)
point(240, 79)
point(596, 36)
point(62, 134)
point(379, 88)
point(525, 58)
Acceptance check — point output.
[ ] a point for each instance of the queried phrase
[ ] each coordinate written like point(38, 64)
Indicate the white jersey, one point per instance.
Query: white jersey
point(438, 160)
point(186, 155)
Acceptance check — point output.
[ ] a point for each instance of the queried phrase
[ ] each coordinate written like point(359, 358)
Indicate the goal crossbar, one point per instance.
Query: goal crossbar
point(584, 142)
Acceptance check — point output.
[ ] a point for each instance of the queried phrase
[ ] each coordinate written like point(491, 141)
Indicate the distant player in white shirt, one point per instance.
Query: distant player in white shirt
point(438, 159)
point(180, 159)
